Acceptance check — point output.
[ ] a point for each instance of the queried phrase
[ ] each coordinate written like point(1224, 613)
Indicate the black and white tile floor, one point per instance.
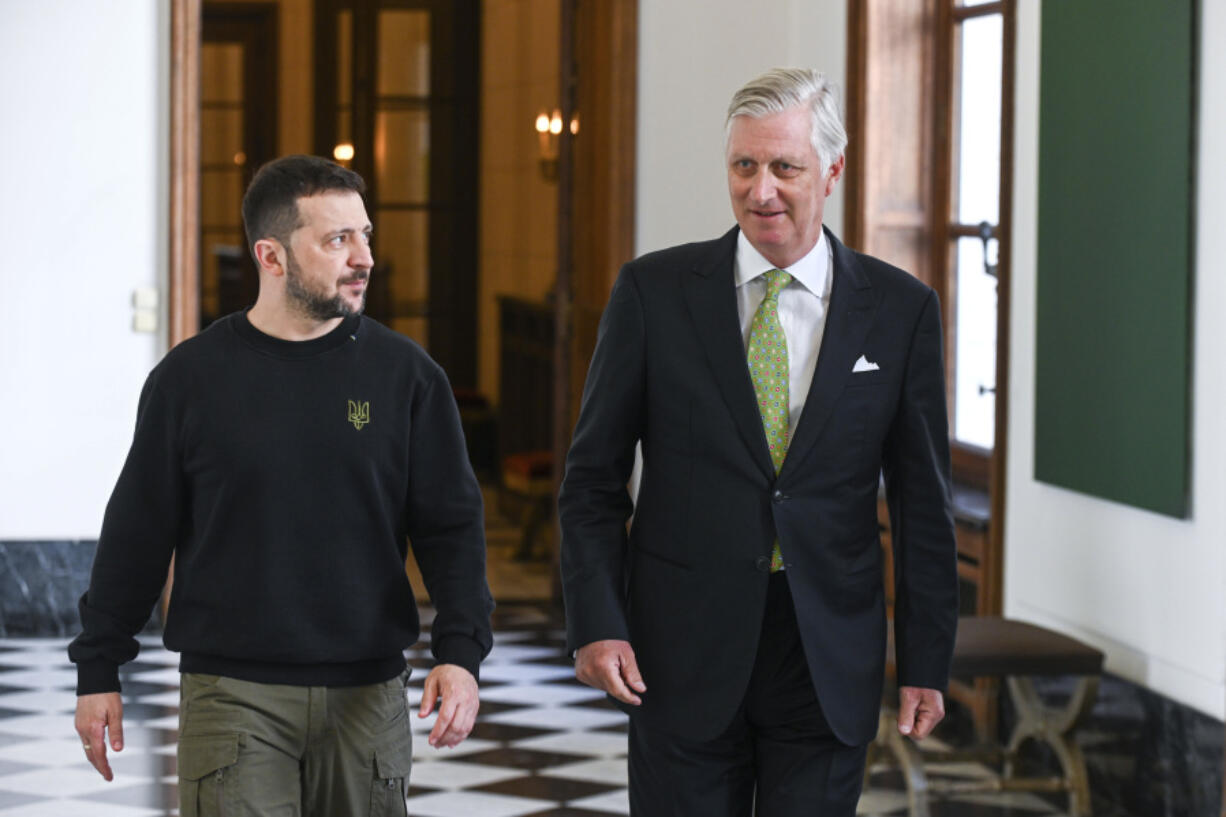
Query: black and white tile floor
point(544, 745)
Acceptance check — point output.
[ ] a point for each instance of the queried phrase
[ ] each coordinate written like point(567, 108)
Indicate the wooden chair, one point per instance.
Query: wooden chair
point(528, 477)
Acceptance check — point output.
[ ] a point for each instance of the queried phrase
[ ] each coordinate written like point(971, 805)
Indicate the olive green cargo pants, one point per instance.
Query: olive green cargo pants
point(285, 751)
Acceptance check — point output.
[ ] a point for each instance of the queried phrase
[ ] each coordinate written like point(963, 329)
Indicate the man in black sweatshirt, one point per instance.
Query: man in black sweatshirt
point(287, 456)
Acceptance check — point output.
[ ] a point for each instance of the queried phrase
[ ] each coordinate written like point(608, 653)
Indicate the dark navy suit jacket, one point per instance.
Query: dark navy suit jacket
point(686, 586)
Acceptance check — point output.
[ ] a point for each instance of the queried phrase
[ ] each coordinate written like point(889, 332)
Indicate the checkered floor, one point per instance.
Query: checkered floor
point(544, 746)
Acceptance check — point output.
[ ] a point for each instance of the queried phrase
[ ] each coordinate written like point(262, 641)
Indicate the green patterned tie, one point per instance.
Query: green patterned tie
point(768, 368)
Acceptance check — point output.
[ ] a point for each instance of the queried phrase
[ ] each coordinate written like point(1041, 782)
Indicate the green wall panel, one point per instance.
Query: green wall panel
point(1116, 176)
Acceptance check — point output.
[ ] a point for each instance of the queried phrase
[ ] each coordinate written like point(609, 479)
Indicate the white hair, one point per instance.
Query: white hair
point(781, 89)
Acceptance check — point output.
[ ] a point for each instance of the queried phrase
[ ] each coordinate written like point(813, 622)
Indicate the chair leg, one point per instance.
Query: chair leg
point(1057, 729)
point(908, 758)
point(534, 516)
point(527, 527)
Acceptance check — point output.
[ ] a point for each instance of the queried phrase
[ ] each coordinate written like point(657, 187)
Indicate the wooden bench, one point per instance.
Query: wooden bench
point(990, 647)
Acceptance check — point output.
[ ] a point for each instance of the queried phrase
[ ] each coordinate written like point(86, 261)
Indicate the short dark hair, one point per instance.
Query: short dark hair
point(270, 205)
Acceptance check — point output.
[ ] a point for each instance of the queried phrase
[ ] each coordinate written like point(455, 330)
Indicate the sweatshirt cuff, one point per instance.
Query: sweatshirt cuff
point(97, 676)
point(461, 651)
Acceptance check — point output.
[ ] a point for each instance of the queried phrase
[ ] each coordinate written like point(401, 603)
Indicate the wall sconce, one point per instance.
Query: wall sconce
point(343, 152)
point(548, 129)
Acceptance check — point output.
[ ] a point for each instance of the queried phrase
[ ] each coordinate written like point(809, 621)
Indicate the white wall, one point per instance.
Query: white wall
point(1147, 589)
point(84, 207)
point(84, 144)
point(693, 54)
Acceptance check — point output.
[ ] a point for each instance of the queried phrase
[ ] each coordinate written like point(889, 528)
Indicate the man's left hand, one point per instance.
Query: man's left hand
point(919, 710)
point(458, 710)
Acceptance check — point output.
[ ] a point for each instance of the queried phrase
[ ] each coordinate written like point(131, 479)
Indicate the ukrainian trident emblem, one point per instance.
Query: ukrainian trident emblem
point(359, 413)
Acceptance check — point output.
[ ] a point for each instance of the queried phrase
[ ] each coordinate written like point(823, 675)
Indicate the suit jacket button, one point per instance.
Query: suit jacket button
point(762, 563)
point(779, 497)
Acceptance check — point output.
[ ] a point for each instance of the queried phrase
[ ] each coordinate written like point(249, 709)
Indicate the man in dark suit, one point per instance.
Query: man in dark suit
point(771, 376)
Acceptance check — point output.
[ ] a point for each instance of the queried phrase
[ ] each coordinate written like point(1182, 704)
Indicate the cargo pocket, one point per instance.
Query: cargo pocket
point(391, 783)
point(207, 764)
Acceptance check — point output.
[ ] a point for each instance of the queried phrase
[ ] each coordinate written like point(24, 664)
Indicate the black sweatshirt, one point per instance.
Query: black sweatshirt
point(285, 477)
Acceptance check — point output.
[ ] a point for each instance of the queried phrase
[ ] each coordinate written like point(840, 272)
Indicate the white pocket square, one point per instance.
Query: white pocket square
point(864, 365)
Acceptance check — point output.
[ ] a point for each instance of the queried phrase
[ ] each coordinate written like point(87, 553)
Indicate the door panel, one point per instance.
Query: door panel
point(396, 82)
point(238, 104)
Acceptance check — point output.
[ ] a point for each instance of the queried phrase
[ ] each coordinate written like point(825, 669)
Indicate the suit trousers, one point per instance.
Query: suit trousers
point(248, 749)
point(777, 758)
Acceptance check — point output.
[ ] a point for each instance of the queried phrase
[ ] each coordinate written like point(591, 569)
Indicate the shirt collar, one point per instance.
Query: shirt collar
point(812, 271)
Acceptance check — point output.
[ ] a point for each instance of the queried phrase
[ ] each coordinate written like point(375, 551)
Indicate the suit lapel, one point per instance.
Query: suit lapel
point(852, 307)
point(710, 295)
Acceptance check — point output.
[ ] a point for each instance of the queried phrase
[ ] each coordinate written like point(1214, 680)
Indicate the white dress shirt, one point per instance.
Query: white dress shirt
point(803, 305)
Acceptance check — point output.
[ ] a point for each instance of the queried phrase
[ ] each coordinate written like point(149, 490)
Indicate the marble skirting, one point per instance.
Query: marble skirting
point(1147, 756)
point(40, 584)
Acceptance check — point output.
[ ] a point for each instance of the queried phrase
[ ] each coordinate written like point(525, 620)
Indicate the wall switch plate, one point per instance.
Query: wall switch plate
point(144, 320)
point(145, 298)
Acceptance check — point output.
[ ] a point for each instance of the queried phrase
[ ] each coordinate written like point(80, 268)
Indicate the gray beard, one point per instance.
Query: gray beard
point(315, 305)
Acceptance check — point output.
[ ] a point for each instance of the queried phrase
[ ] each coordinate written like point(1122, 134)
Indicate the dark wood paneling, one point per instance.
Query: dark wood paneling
point(455, 132)
point(253, 26)
point(525, 419)
point(455, 145)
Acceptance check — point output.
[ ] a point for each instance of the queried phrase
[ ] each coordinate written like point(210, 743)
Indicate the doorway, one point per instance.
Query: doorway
point(397, 100)
point(238, 133)
point(393, 80)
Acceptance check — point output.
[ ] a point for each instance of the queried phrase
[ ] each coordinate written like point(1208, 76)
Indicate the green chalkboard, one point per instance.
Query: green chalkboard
point(1116, 177)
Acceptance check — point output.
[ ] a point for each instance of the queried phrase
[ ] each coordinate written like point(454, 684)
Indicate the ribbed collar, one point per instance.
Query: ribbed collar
point(346, 331)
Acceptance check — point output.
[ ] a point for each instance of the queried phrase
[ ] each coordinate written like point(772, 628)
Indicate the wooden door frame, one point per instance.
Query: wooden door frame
point(183, 287)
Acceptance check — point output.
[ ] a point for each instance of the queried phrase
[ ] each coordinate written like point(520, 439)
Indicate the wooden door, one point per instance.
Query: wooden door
point(397, 100)
point(238, 133)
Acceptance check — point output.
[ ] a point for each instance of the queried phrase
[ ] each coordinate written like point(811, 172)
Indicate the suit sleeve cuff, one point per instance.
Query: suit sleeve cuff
point(925, 683)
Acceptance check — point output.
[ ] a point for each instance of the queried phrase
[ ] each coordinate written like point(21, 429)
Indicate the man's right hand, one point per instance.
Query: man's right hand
point(610, 665)
point(97, 715)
